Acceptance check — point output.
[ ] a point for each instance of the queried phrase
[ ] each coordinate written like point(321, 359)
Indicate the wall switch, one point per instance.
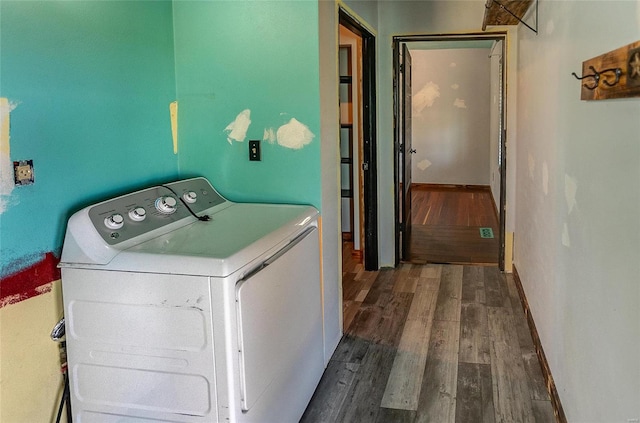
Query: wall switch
point(23, 172)
point(254, 150)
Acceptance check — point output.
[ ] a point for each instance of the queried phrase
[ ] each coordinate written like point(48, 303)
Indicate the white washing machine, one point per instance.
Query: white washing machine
point(175, 317)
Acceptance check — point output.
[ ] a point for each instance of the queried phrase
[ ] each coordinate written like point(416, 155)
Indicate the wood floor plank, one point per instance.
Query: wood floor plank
point(405, 283)
point(349, 310)
point(449, 294)
point(473, 284)
point(381, 285)
point(403, 387)
point(438, 392)
point(497, 294)
point(474, 398)
point(474, 334)
point(391, 415)
point(512, 399)
point(367, 389)
point(520, 319)
point(332, 390)
point(537, 385)
point(382, 324)
point(543, 412)
point(431, 271)
point(351, 349)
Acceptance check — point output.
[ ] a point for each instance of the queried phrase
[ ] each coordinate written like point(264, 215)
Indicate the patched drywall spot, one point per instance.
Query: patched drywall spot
point(423, 164)
point(566, 241)
point(455, 86)
point(452, 65)
point(550, 27)
point(545, 178)
point(570, 190)
point(294, 135)
point(532, 167)
point(459, 103)
point(6, 166)
point(173, 113)
point(237, 130)
point(425, 97)
point(269, 135)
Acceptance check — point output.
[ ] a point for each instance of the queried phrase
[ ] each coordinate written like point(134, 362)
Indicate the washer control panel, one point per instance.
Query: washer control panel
point(134, 214)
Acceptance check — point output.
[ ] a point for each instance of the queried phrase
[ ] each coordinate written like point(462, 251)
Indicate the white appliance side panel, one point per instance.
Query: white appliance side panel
point(281, 338)
point(139, 346)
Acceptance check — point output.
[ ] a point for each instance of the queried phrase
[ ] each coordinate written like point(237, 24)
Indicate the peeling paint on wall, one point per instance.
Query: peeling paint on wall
point(566, 241)
point(425, 97)
point(545, 178)
point(6, 167)
point(459, 103)
point(550, 27)
point(570, 190)
point(269, 135)
point(455, 86)
point(294, 135)
point(237, 130)
point(173, 111)
point(532, 167)
point(423, 164)
point(31, 281)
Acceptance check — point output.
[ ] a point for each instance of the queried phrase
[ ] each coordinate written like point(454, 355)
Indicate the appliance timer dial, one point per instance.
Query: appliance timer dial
point(166, 204)
point(115, 221)
point(190, 197)
point(138, 214)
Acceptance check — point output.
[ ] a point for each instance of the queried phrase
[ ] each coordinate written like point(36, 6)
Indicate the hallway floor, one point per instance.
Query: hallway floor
point(431, 343)
point(446, 225)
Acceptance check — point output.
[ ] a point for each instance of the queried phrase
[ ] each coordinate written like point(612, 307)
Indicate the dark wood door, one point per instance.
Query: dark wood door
point(406, 149)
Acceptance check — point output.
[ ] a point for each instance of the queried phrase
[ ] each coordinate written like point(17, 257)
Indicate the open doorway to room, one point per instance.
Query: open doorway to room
point(450, 164)
point(358, 177)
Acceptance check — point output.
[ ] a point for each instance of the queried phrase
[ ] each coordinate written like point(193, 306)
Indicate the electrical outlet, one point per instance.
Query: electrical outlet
point(254, 150)
point(23, 172)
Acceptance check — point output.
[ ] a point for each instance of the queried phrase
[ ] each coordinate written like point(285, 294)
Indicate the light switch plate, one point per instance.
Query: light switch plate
point(254, 151)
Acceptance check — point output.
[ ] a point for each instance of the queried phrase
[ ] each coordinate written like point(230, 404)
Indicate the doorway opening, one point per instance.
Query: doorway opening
point(450, 114)
point(358, 171)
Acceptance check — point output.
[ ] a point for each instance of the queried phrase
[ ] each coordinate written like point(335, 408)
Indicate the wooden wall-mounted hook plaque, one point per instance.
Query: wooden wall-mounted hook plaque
point(627, 85)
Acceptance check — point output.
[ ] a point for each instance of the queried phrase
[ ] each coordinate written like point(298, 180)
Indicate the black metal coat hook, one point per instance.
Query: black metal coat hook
point(597, 77)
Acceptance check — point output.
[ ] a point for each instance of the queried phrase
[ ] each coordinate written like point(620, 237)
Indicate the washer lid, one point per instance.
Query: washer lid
point(236, 236)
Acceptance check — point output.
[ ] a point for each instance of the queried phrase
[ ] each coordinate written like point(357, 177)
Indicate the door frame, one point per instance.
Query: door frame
point(473, 36)
point(369, 157)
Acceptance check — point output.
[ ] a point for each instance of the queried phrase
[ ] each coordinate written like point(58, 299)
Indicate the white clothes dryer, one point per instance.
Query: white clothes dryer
point(172, 316)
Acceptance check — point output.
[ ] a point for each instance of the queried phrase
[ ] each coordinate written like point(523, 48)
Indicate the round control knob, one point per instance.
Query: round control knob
point(190, 197)
point(138, 214)
point(115, 221)
point(166, 204)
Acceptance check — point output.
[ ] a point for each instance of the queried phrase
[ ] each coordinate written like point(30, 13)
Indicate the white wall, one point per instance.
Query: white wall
point(495, 125)
point(577, 241)
point(450, 117)
point(329, 159)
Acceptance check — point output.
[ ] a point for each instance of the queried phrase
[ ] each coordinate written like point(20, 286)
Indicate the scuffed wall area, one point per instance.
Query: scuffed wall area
point(577, 240)
point(250, 71)
point(450, 116)
point(87, 86)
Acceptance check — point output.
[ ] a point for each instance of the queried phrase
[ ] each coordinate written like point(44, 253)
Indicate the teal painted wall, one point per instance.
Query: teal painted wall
point(92, 81)
point(261, 56)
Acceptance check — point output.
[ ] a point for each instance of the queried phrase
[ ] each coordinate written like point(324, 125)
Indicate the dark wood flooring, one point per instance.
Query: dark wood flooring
point(431, 343)
point(446, 222)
